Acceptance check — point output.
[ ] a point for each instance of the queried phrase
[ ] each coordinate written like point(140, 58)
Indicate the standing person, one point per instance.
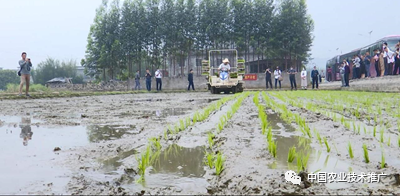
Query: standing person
point(320, 76)
point(25, 73)
point(190, 79)
point(341, 70)
point(278, 75)
point(158, 75)
point(367, 62)
point(362, 67)
point(396, 61)
point(376, 60)
point(346, 74)
point(268, 78)
point(304, 79)
point(381, 64)
point(356, 64)
point(137, 80)
point(292, 76)
point(390, 61)
point(148, 80)
point(385, 59)
point(314, 75)
point(329, 72)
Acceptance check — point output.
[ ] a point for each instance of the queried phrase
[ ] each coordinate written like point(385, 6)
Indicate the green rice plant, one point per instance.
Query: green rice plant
point(220, 127)
point(381, 133)
point(176, 128)
point(365, 130)
point(188, 123)
point(383, 163)
point(219, 164)
point(388, 143)
point(209, 160)
point(182, 125)
point(155, 142)
point(308, 131)
point(211, 140)
point(350, 149)
point(272, 147)
point(304, 161)
point(366, 157)
point(354, 127)
point(269, 135)
point(292, 154)
point(229, 114)
point(375, 120)
point(358, 129)
point(165, 135)
point(374, 131)
point(398, 141)
point(369, 118)
point(299, 164)
point(255, 99)
point(142, 165)
point(328, 149)
point(318, 137)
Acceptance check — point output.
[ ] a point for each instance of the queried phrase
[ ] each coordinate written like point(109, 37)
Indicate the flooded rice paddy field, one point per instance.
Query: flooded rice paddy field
point(198, 143)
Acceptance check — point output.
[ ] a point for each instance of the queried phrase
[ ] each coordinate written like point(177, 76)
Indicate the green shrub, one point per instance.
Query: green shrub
point(14, 88)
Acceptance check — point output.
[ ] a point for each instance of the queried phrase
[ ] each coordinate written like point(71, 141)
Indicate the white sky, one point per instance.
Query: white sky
point(59, 28)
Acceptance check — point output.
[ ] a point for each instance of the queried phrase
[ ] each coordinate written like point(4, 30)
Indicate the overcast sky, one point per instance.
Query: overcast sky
point(59, 28)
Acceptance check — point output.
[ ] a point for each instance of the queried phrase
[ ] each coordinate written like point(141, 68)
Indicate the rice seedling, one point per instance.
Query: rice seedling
point(304, 161)
point(383, 163)
point(350, 149)
point(292, 154)
point(182, 125)
point(165, 135)
point(328, 149)
point(354, 127)
point(318, 137)
point(388, 143)
point(299, 164)
point(272, 147)
point(155, 142)
point(375, 120)
point(366, 157)
point(358, 129)
point(398, 141)
point(374, 131)
point(381, 133)
point(176, 128)
point(142, 165)
point(219, 164)
point(188, 122)
point(211, 140)
point(209, 160)
point(269, 135)
point(342, 120)
point(365, 130)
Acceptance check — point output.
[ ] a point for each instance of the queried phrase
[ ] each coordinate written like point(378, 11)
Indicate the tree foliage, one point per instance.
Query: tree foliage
point(8, 77)
point(143, 34)
point(52, 68)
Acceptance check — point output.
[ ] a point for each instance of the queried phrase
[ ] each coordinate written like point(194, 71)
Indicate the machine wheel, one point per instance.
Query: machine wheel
point(212, 90)
point(234, 89)
point(239, 88)
point(209, 86)
point(227, 91)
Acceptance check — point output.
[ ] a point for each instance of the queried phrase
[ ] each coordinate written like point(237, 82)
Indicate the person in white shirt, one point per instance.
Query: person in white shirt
point(225, 66)
point(158, 75)
point(304, 79)
point(277, 74)
point(390, 61)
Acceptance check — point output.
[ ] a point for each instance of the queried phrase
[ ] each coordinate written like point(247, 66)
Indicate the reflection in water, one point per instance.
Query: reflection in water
point(26, 130)
point(169, 112)
point(185, 162)
point(114, 163)
point(97, 133)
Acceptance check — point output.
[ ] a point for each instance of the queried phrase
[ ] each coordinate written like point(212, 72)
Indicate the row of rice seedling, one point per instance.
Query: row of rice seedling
point(183, 124)
point(356, 129)
point(216, 161)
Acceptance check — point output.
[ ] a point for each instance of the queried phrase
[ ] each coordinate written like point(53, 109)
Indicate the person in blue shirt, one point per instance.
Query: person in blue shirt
point(148, 80)
point(190, 79)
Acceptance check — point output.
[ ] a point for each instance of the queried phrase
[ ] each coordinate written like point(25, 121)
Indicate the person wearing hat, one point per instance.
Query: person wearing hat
point(224, 66)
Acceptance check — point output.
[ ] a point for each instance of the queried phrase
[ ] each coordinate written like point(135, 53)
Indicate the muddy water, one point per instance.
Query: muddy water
point(28, 160)
point(185, 162)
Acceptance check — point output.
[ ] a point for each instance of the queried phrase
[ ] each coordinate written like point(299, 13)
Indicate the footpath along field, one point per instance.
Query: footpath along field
point(198, 143)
